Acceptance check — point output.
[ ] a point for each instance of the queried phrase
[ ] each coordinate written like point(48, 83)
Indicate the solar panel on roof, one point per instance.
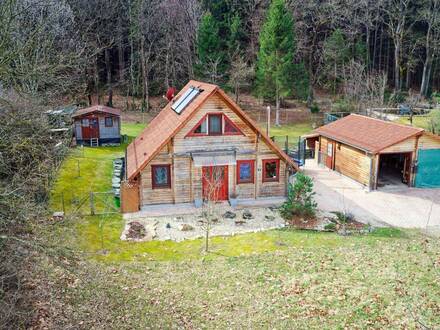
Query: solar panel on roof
point(185, 99)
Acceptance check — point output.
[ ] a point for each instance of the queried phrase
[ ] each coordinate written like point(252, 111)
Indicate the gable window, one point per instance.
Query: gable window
point(245, 171)
point(230, 128)
point(214, 124)
point(85, 122)
point(108, 122)
point(271, 170)
point(201, 128)
point(161, 177)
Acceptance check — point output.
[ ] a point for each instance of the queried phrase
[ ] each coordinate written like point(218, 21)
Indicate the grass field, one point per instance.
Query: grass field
point(281, 279)
point(418, 121)
point(293, 131)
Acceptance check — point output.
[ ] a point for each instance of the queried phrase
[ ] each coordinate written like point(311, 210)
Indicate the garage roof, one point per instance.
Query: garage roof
point(366, 133)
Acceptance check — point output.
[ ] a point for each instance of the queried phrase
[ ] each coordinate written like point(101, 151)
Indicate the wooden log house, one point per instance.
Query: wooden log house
point(202, 131)
point(378, 153)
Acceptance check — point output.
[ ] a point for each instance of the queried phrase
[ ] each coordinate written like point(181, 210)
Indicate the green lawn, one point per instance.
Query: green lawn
point(418, 121)
point(283, 279)
point(293, 131)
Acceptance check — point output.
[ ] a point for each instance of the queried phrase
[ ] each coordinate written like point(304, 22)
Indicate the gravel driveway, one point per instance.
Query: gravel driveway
point(400, 206)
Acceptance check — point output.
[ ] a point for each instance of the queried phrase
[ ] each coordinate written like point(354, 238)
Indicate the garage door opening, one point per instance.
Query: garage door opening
point(394, 170)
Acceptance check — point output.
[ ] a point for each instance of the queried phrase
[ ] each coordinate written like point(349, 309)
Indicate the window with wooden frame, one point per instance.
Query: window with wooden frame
point(85, 122)
point(108, 121)
point(245, 171)
point(161, 176)
point(215, 124)
point(271, 170)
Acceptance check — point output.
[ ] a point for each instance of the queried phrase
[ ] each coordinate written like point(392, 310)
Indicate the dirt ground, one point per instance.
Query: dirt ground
point(400, 207)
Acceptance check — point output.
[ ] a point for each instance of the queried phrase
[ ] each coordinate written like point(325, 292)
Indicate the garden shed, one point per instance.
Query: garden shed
point(378, 153)
point(97, 125)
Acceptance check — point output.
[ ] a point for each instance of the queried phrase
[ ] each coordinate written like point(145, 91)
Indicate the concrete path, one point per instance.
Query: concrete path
point(400, 206)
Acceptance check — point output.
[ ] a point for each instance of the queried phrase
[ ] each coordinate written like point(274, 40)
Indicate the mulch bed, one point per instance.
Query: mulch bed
point(301, 223)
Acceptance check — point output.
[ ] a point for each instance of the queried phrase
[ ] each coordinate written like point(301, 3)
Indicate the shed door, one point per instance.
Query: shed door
point(330, 154)
point(90, 128)
point(428, 169)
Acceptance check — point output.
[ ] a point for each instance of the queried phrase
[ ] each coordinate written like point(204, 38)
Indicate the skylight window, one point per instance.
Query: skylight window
point(185, 99)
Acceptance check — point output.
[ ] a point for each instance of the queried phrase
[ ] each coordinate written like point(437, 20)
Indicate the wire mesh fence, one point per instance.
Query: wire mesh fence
point(92, 203)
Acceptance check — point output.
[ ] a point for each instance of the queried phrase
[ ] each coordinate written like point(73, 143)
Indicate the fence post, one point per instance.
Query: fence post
point(287, 144)
point(92, 204)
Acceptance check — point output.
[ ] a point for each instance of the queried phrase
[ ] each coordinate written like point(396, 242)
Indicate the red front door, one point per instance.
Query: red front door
point(90, 128)
point(215, 183)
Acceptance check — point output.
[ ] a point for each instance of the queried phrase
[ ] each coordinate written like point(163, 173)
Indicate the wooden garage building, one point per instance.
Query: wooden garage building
point(199, 135)
point(378, 153)
point(97, 125)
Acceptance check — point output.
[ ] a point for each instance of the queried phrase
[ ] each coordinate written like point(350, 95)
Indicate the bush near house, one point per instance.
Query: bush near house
point(300, 201)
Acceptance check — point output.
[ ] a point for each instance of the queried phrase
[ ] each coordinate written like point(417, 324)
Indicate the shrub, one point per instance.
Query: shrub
point(330, 226)
point(343, 217)
point(398, 97)
point(300, 199)
point(314, 108)
point(342, 105)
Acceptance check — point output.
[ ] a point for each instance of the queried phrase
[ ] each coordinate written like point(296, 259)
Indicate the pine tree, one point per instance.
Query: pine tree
point(209, 50)
point(276, 69)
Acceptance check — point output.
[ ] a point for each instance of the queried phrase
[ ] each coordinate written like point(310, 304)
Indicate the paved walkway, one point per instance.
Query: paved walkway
point(400, 206)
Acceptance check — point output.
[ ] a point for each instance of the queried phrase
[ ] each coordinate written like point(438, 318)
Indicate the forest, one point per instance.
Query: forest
point(84, 49)
point(58, 52)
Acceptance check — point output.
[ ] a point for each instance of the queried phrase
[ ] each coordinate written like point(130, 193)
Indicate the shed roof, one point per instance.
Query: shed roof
point(167, 123)
point(97, 108)
point(366, 133)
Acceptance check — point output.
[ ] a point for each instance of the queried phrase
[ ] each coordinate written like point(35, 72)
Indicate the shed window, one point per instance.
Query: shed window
point(85, 122)
point(215, 124)
point(271, 170)
point(160, 176)
point(245, 171)
point(108, 122)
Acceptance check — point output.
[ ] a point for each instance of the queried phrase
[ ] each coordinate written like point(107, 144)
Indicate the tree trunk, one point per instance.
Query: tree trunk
point(277, 109)
point(145, 96)
point(96, 77)
point(397, 80)
point(109, 77)
point(236, 93)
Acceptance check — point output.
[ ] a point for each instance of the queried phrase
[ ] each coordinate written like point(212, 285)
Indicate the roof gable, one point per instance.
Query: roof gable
point(97, 108)
point(168, 123)
point(369, 134)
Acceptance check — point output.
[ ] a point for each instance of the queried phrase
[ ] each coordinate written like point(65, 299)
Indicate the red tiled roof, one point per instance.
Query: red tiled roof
point(97, 108)
point(167, 123)
point(369, 134)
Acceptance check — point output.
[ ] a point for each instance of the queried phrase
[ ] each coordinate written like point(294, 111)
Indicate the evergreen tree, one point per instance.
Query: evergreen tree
point(209, 50)
point(276, 69)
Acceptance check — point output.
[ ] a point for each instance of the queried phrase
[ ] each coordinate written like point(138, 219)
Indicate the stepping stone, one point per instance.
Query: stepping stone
point(185, 227)
point(229, 215)
point(247, 215)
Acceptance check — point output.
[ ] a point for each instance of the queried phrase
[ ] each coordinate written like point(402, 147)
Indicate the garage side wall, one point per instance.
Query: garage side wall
point(353, 163)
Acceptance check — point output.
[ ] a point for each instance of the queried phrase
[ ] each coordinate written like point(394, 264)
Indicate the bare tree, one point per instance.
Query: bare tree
point(212, 183)
point(399, 23)
point(430, 15)
point(240, 75)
